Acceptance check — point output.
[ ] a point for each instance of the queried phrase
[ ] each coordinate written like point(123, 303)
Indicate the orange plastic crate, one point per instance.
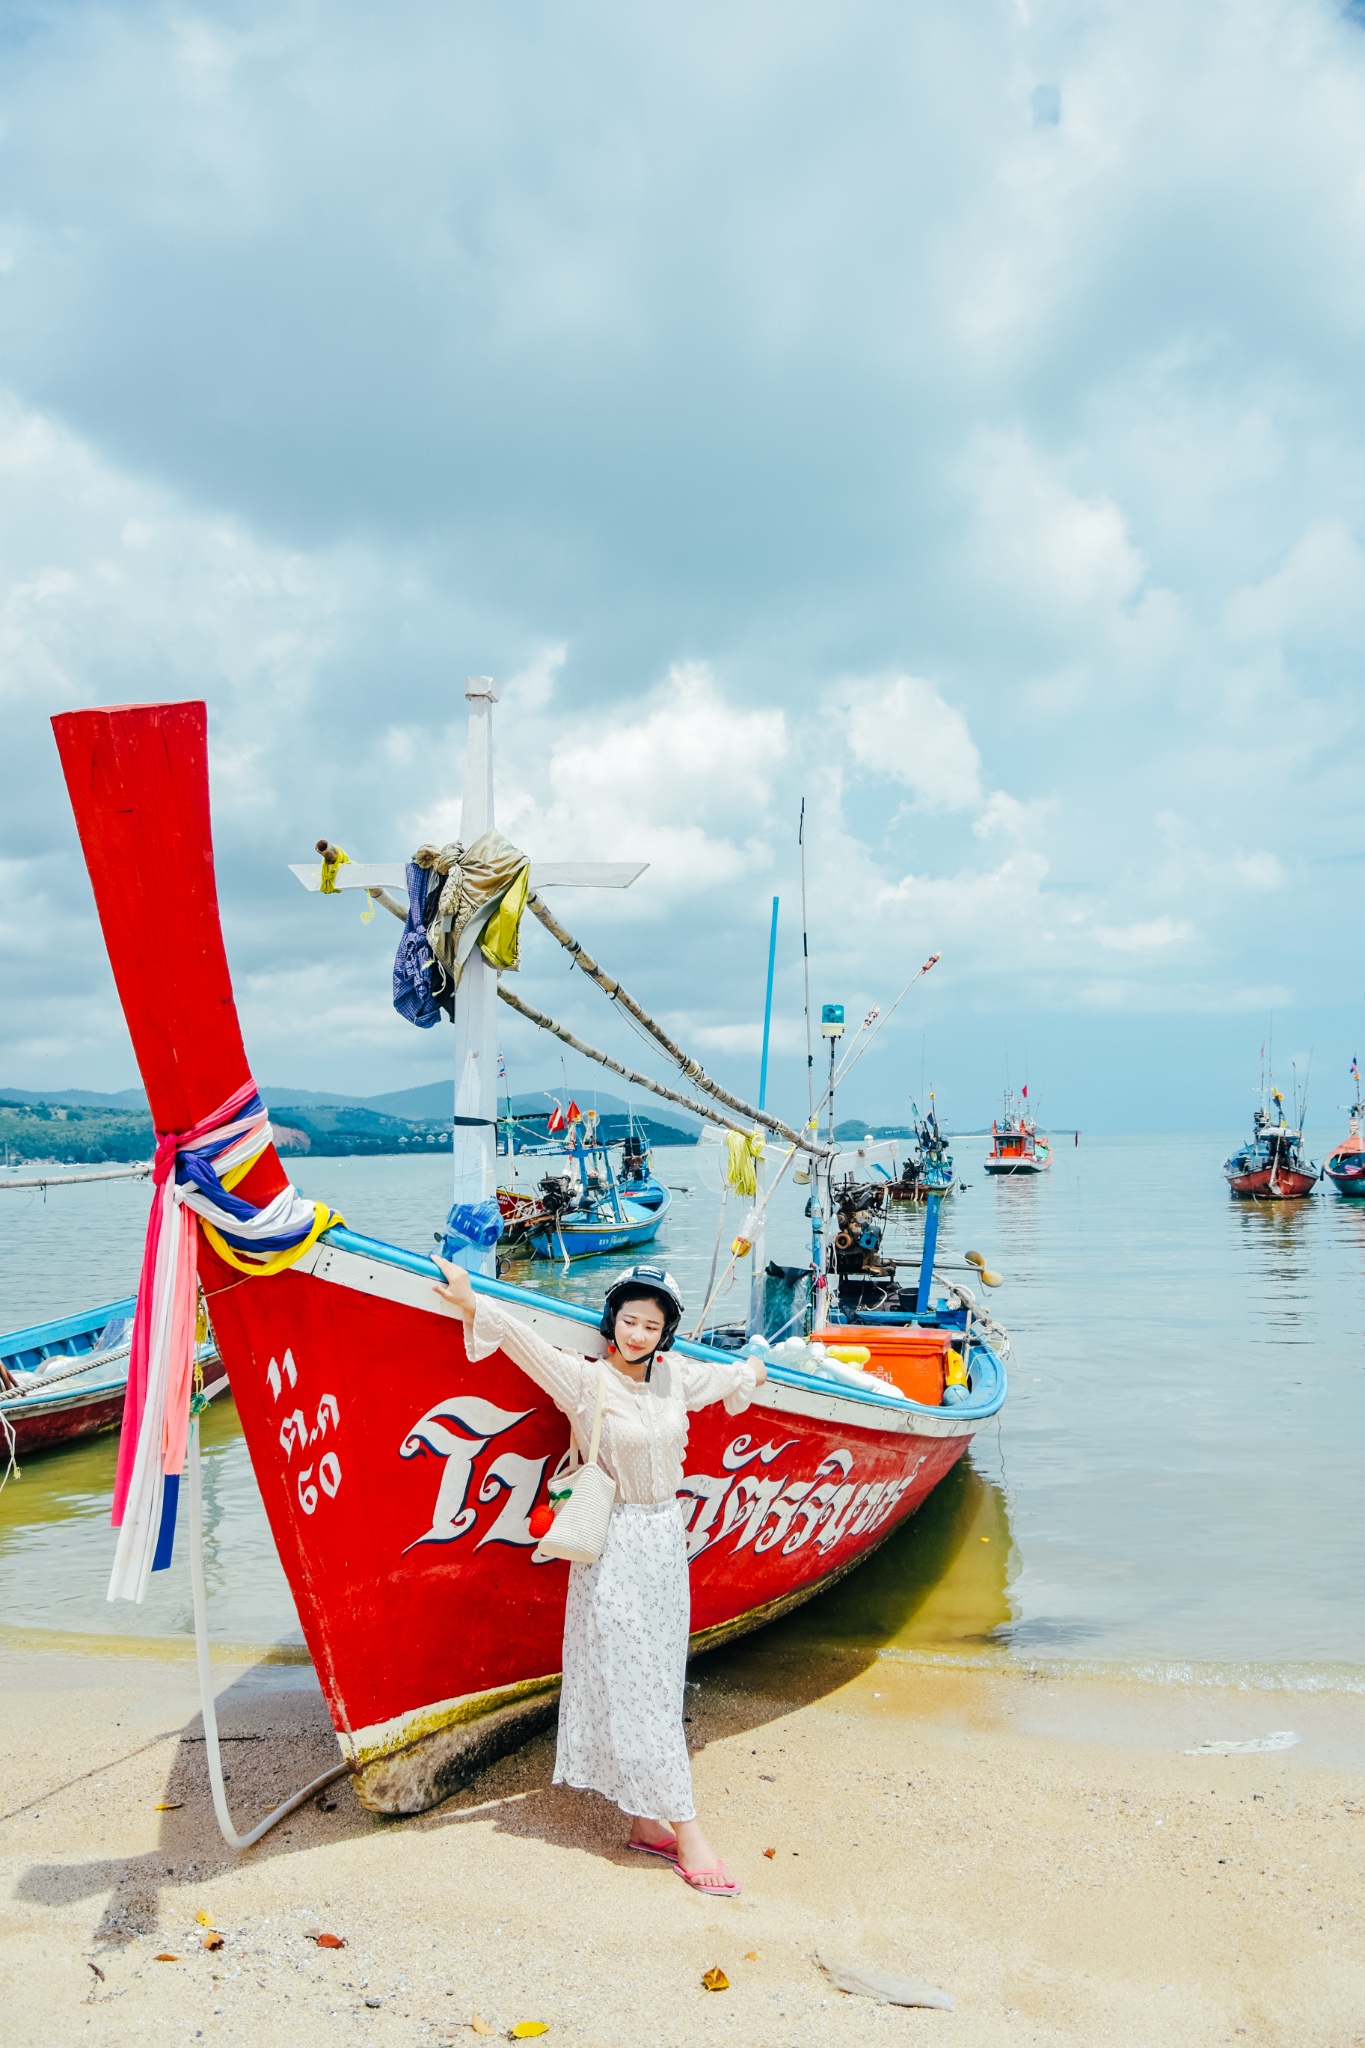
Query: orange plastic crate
point(913, 1360)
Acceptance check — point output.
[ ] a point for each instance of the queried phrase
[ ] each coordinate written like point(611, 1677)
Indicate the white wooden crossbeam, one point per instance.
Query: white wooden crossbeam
point(545, 874)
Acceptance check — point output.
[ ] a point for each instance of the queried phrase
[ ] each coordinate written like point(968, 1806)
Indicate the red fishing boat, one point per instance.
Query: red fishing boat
point(401, 1480)
point(1344, 1165)
point(1016, 1147)
point(1271, 1167)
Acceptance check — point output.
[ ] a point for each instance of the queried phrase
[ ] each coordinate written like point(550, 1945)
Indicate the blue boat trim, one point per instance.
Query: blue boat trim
point(987, 1369)
point(47, 1340)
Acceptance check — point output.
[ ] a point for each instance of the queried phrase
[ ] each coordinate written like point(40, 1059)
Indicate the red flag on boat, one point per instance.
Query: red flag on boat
point(558, 1121)
point(575, 1113)
point(1025, 1091)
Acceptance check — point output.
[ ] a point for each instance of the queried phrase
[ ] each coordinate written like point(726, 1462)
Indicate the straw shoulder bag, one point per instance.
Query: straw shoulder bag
point(582, 1499)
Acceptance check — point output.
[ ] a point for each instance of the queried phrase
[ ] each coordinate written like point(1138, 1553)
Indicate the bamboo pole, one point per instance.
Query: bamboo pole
point(605, 1059)
point(138, 1171)
point(692, 1068)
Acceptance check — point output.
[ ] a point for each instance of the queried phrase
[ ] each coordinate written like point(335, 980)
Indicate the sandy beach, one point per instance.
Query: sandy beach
point(1039, 1847)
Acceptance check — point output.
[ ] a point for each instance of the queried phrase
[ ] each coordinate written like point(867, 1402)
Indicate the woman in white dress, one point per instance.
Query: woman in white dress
point(627, 1618)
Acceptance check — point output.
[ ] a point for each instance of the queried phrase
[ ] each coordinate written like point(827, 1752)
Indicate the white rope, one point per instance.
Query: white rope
point(37, 1381)
point(12, 1469)
point(206, 1701)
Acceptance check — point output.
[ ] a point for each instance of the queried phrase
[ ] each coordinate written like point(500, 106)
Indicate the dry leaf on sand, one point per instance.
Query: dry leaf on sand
point(330, 1940)
point(213, 1939)
point(204, 1919)
point(751, 1955)
point(164, 1958)
point(770, 1853)
point(525, 2029)
point(481, 2026)
point(715, 1980)
point(168, 1806)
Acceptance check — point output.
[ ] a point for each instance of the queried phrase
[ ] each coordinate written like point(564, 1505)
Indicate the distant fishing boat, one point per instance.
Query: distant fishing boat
point(588, 1211)
point(64, 1380)
point(929, 1168)
point(1271, 1167)
point(1016, 1147)
point(1344, 1165)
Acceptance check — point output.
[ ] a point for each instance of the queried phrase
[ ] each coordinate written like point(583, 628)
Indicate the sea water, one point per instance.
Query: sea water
point(1173, 1487)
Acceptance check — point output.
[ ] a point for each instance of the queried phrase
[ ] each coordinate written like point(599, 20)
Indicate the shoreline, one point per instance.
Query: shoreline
point(1255, 1676)
point(1047, 1853)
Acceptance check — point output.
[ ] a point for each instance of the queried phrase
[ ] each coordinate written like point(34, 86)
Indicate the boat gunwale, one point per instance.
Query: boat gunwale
point(14, 1341)
point(343, 1239)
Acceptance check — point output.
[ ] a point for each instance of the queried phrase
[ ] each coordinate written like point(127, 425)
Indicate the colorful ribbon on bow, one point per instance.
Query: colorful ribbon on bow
point(195, 1170)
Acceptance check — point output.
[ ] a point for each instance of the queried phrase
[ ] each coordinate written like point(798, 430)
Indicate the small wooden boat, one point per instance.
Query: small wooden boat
point(64, 1380)
point(588, 1212)
point(1271, 1167)
point(1016, 1148)
point(398, 1476)
point(1344, 1165)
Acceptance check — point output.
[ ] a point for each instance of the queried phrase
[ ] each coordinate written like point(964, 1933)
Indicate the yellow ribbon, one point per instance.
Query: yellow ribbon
point(263, 1264)
point(741, 1150)
point(328, 884)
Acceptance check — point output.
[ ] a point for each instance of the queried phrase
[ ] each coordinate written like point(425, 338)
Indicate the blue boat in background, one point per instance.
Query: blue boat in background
point(64, 1379)
point(590, 1210)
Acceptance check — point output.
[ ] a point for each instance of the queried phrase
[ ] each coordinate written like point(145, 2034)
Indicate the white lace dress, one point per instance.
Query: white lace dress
point(627, 1618)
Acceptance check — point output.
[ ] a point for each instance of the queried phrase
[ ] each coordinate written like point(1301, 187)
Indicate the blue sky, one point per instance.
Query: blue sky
point(951, 415)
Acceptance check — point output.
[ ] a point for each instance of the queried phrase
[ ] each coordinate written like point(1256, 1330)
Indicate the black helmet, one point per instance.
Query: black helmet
point(652, 1282)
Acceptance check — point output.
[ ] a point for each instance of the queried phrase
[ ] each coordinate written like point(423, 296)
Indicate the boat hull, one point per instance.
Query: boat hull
point(1345, 1168)
point(43, 1422)
point(1264, 1184)
point(1017, 1168)
point(590, 1240)
point(398, 1480)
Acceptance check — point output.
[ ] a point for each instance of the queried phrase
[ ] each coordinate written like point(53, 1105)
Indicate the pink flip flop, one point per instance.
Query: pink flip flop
point(726, 1889)
point(668, 1850)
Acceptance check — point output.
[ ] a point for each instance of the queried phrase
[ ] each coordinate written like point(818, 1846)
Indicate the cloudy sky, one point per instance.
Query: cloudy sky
point(951, 415)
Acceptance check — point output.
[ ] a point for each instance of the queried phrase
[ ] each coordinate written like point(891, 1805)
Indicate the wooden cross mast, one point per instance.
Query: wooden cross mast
point(476, 1025)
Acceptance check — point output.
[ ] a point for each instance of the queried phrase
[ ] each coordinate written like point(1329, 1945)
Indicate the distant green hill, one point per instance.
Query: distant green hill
point(77, 1128)
point(71, 1134)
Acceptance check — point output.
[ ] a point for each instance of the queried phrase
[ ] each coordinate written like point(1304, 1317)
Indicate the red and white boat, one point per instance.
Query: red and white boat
point(398, 1478)
point(1016, 1147)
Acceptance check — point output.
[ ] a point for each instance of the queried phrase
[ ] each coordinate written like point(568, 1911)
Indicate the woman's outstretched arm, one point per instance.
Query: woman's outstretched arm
point(734, 1381)
point(568, 1379)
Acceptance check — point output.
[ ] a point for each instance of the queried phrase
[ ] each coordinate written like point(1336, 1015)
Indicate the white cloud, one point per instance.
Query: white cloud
point(899, 726)
point(1317, 595)
point(1060, 549)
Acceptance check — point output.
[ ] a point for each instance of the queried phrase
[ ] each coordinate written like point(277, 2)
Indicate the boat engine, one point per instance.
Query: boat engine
point(866, 1280)
point(560, 1192)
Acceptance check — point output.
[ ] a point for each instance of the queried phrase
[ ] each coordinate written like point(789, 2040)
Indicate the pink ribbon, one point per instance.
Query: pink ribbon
point(151, 1290)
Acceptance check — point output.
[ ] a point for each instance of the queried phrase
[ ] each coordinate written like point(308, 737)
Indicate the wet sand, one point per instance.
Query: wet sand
point(1039, 1847)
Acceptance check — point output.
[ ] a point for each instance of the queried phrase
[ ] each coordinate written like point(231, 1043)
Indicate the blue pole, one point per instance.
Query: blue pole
point(924, 1294)
point(768, 1010)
